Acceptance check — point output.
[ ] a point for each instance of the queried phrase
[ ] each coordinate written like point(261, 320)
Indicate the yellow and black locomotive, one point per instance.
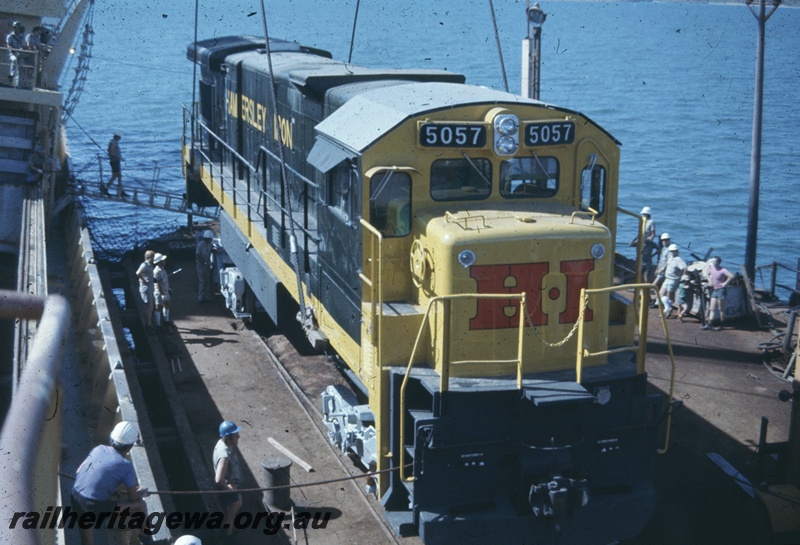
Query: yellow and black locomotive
point(455, 245)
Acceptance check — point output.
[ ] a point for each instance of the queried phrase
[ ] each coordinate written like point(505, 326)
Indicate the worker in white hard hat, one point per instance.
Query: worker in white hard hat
point(104, 470)
point(202, 257)
point(228, 471)
point(162, 293)
point(663, 257)
point(649, 246)
point(147, 289)
point(675, 268)
point(188, 540)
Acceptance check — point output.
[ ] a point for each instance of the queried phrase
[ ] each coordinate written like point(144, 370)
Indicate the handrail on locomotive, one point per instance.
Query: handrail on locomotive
point(641, 293)
point(197, 128)
point(444, 377)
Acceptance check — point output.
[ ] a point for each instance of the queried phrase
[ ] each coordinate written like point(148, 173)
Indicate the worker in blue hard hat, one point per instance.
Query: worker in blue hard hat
point(228, 471)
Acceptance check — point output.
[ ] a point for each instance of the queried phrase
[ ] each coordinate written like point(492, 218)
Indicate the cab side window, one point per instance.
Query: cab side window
point(390, 203)
point(593, 187)
point(341, 181)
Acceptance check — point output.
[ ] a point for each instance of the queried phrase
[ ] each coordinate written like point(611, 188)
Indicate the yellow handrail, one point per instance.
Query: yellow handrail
point(375, 285)
point(640, 242)
point(444, 381)
point(643, 292)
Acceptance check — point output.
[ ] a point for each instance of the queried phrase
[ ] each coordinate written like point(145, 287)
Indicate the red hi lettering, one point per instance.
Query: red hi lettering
point(577, 273)
point(515, 278)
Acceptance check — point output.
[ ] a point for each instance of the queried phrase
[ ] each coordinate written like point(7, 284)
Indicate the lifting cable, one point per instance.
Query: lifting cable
point(284, 178)
point(194, 83)
point(499, 49)
point(353, 35)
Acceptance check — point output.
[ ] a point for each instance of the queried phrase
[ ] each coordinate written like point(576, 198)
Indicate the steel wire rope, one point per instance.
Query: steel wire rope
point(499, 49)
point(284, 178)
point(194, 86)
point(138, 65)
point(353, 34)
point(267, 488)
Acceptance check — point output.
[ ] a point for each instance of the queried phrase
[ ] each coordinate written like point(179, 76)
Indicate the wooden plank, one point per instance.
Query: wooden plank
point(291, 455)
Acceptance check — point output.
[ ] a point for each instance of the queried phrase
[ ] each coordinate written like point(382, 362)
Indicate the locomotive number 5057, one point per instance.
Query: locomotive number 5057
point(549, 133)
point(452, 135)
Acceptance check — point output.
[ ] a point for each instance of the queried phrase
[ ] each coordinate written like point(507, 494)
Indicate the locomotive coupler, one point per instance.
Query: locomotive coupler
point(559, 497)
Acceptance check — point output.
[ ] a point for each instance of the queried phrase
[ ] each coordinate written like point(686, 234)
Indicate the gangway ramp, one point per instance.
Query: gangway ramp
point(145, 197)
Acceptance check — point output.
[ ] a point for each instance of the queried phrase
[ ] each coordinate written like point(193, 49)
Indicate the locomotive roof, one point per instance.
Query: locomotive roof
point(212, 52)
point(314, 75)
point(366, 117)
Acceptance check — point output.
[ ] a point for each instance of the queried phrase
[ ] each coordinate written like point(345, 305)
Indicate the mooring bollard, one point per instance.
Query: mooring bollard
point(277, 470)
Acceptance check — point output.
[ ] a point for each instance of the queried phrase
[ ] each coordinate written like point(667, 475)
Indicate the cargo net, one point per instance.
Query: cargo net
point(127, 227)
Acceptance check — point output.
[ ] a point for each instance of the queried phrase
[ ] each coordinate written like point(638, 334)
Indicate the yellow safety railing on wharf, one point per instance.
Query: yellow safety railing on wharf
point(444, 379)
point(642, 294)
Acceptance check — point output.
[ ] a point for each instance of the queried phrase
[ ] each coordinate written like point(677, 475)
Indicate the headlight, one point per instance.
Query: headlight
point(506, 133)
point(506, 145)
point(598, 251)
point(506, 124)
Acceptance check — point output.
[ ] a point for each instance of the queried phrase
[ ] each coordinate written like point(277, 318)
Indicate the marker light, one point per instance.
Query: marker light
point(466, 258)
point(598, 251)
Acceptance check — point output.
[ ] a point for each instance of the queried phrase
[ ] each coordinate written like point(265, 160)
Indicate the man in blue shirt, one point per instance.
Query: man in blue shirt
point(102, 473)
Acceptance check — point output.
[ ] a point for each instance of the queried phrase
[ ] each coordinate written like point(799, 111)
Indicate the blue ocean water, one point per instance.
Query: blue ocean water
point(673, 82)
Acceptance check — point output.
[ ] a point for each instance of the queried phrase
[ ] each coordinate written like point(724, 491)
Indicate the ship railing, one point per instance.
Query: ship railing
point(772, 283)
point(33, 420)
point(641, 294)
point(445, 301)
point(20, 68)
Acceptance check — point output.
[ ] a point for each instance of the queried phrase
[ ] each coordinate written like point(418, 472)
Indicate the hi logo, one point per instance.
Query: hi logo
point(528, 278)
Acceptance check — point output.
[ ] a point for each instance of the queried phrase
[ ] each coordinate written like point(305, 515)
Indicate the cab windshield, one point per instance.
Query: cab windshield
point(461, 179)
point(524, 177)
